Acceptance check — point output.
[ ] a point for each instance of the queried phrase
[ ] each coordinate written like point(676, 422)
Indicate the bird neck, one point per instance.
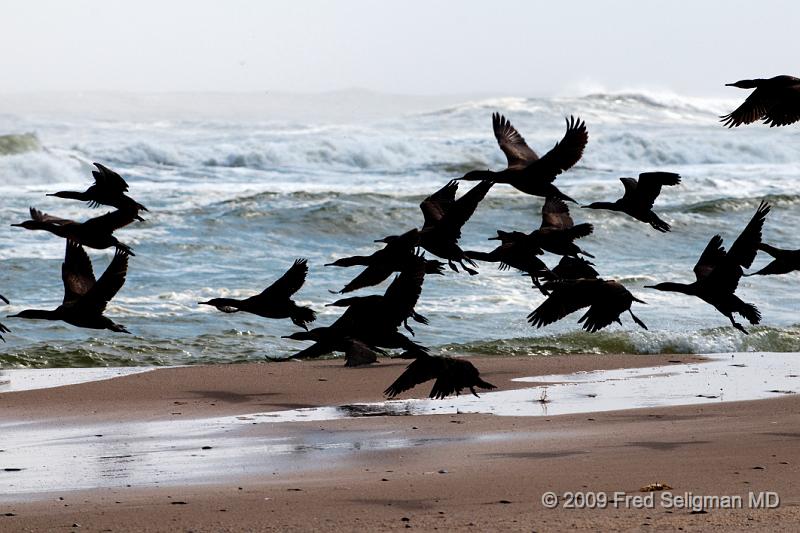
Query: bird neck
point(612, 206)
point(70, 195)
point(38, 314)
point(670, 286)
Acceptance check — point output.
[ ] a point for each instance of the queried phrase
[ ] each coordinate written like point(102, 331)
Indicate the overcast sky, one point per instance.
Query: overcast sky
point(414, 47)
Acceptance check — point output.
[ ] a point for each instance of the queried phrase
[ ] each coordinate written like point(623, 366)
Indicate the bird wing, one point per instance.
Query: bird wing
point(76, 272)
point(358, 353)
point(786, 109)
point(372, 275)
point(712, 256)
point(288, 284)
point(111, 221)
point(649, 187)
point(565, 298)
point(517, 151)
point(755, 107)
point(462, 209)
point(744, 249)
point(108, 180)
point(112, 280)
point(423, 368)
point(612, 300)
point(565, 153)
point(44, 217)
point(437, 204)
point(403, 293)
point(555, 214)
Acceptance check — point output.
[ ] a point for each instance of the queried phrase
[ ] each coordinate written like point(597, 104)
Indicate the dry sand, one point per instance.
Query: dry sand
point(464, 471)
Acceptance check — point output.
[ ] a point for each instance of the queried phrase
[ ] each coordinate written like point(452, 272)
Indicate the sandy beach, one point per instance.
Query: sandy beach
point(426, 472)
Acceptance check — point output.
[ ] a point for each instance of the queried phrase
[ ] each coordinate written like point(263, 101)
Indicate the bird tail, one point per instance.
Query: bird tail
point(301, 316)
point(749, 311)
point(119, 328)
point(659, 224)
point(484, 384)
point(125, 248)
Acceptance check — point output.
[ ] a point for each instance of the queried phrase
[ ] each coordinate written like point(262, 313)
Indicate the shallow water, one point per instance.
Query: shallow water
point(234, 201)
point(50, 455)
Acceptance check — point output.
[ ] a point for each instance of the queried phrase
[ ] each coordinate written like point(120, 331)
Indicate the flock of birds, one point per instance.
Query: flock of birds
point(371, 324)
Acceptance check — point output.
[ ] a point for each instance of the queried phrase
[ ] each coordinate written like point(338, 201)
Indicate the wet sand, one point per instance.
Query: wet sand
point(448, 471)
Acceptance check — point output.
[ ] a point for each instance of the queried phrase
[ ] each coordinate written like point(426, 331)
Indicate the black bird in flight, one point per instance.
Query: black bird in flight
point(85, 299)
point(3, 329)
point(517, 250)
point(451, 375)
point(639, 197)
point(397, 254)
point(370, 322)
point(444, 218)
point(784, 261)
point(558, 232)
point(109, 189)
point(718, 272)
point(776, 101)
point(94, 233)
point(606, 300)
point(572, 268)
point(526, 171)
point(276, 300)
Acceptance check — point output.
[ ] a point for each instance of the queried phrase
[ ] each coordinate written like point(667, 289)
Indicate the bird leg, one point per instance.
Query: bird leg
point(405, 324)
point(537, 284)
point(452, 266)
point(472, 390)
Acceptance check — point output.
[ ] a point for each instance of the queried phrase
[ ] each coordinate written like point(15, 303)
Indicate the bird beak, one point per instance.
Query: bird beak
point(635, 299)
point(203, 303)
point(12, 316)
point(648, 287)
point(730, 85)
point(493, 238)
point(17, 225)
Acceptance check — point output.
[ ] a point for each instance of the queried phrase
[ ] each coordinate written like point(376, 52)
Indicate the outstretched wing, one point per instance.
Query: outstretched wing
point(97, 298)
point(44, 217)
point(403, 293)
point(108, 180)
point(288, 284)
point(565, 298)
point(76, 272)
point(712, 256)
point(435, 206)
point(555, 214)
point(424, 368)
point(517, 151)
point(649, 187)
point(744, 249)
point(786, 110)
point(755, 107)
point(462, 209)
point(112, 221)
point(372, 275)
point(565, 153)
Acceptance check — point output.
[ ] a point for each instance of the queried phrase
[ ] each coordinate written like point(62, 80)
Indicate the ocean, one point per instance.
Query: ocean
point(237, 192)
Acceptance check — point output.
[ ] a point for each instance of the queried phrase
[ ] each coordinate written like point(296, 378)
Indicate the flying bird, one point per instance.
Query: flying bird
point(451, 375)
point(276, 300)
point(397, 254)
point(526, 171)
point(85, 299)
point(572, 268)
point(94, 233)
point(776, 101)
point(606, 300)
point(558, 231)
point(784, 261)
point(109, 189)
point(718, 272)
point(370, 322)
point(517, 250)
point(444, 218)
point(640, 196)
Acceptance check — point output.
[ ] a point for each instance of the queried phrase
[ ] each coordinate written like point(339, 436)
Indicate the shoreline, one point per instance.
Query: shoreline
point(438, 471)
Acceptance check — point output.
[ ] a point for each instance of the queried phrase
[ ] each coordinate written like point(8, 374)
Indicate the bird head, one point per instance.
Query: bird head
point(743, 84)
